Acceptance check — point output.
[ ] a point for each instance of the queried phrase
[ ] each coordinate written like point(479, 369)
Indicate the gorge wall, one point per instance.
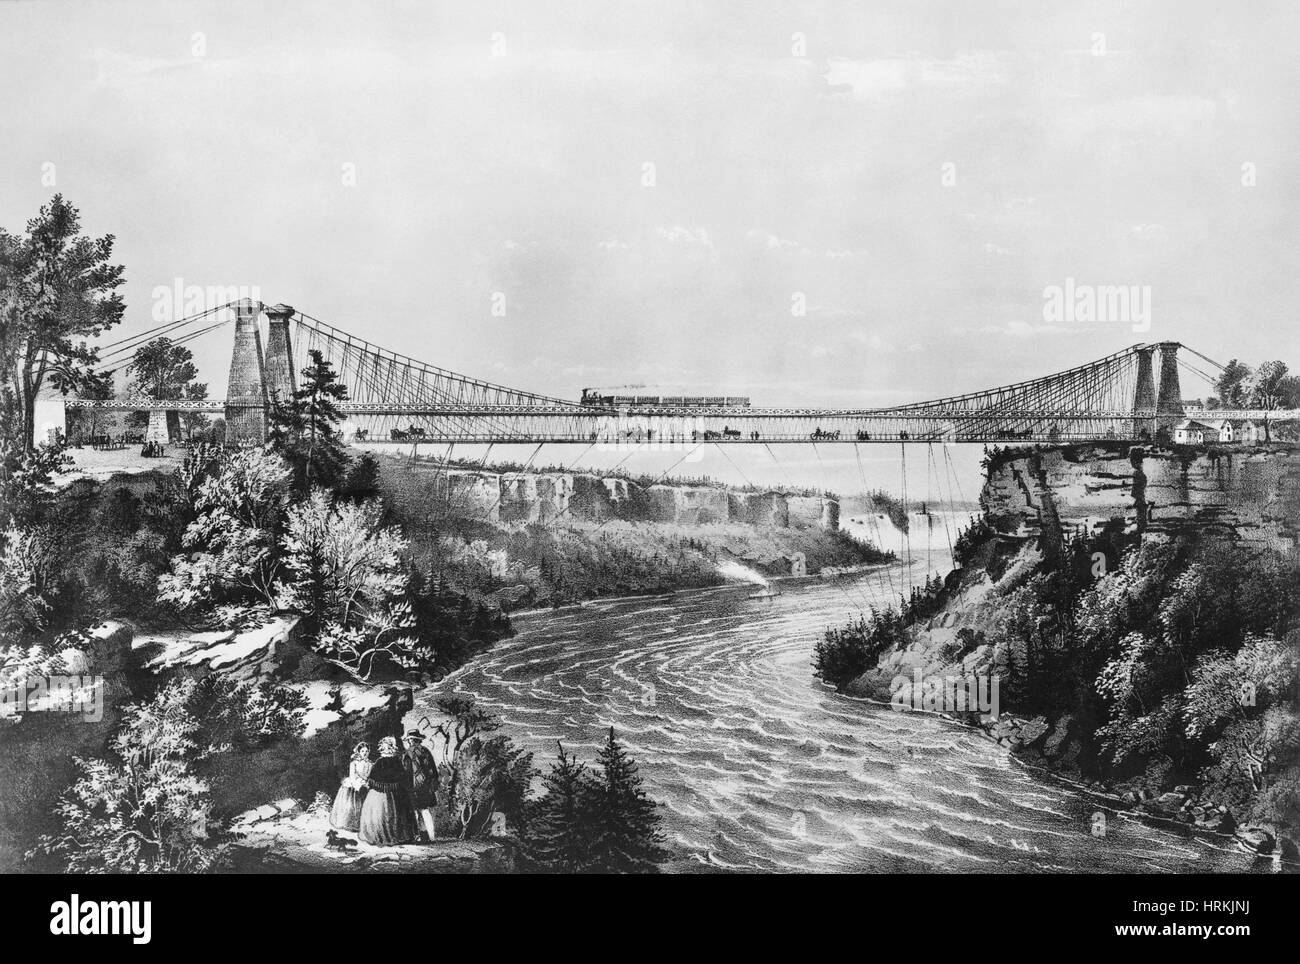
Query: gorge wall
point(1248, 495)
point(543, 497)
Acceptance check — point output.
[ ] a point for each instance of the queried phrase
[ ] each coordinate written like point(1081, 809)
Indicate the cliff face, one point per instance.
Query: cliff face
point(544, 497)
point(1250, 496)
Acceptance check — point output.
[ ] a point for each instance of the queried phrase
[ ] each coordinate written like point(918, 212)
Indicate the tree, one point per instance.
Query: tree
point(146, 808)
point(22, 606)
point(232, 556)
point(146, 811)
point(1231, 384)
point(624, 821)
point(842, 655)
point(347, 576)
point(1265, 385)
point(558, 833)
point(195, 422)
point(165, 370)
point(494, 778)
point(57, 288)
point(304, 429)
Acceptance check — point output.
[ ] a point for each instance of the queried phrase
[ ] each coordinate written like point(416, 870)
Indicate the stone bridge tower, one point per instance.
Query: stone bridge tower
point(1144, 396)
point(280, 381)
point(246, 390)
point(258, 379)
point(1162, 410)
point(1169, 403)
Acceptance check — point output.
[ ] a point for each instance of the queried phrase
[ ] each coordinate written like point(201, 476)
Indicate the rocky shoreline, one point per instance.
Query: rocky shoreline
point(1038, 500)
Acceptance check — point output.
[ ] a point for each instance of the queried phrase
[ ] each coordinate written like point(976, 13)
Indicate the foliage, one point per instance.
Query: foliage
point(239, 500)
point(146, 809)
point(1270, 386)
point(493, 777)
point(464, 724)
point(594, 821)
point(625, 835)
point(26, 476)
point(844, 654)
point(922, 602)
point(163, 369)
point(361, 479)
point(970, 539)
point(1201, 678)
point(57, 289)
point(345, 573)
point(454, 624)
point(304, 429)
point(556, 836)
point(1231, 384)
point(22, 606)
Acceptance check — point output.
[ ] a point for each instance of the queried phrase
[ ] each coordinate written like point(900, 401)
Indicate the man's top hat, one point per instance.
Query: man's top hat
point(414, 735)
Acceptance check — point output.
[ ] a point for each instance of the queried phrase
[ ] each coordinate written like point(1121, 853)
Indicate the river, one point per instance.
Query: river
point(762, 768)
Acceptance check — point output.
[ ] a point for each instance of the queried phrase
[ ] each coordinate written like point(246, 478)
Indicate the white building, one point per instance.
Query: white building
point(1192, 432)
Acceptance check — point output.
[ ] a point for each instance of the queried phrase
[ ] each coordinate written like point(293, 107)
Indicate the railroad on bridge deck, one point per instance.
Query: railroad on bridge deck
point(395, 398)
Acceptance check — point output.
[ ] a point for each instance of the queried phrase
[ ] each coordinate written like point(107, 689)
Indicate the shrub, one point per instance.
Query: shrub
point(844, 654)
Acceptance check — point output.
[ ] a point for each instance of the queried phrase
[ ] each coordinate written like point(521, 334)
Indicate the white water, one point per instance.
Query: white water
point(927, 541)
point(730, 569)
point(760, 767)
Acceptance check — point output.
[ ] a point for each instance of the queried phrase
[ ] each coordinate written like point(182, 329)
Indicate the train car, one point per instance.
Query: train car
point(595, 397)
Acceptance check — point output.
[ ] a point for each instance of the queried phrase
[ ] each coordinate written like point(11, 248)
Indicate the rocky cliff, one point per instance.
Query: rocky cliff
point(544, 497)
point(1248, 495)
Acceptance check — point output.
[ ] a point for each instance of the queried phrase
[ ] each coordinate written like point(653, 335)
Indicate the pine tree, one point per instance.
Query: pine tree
point(625, 822)
point(557, 830)
point(304, 429)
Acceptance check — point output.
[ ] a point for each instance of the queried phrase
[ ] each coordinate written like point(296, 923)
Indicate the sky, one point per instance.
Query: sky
point(816, 204)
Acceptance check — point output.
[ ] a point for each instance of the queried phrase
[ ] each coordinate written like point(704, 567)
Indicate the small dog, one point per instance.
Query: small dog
point(336, 841)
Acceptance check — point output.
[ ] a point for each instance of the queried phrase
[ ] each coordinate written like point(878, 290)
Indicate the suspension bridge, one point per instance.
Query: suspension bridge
point(396, 398)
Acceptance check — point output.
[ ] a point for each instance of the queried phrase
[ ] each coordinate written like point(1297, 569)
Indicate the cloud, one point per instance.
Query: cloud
point(681, 234)
point(770, 241)
point(1018, 328)
point(773, 242)
point(873, 79)
point(114, 67)
point(1151, 233)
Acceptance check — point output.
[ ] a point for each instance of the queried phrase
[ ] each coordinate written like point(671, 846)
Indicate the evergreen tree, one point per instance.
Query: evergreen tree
point(304, 429)
point(624, 821)
point(557, 832)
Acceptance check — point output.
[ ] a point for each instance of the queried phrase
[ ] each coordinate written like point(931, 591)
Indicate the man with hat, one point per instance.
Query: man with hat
point(423, 771)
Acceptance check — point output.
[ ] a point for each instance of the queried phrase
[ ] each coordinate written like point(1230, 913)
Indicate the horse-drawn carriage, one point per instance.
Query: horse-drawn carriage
point(413, 434)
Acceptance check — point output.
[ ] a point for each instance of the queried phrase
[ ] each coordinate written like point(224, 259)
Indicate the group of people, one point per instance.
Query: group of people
point(153, 450)
point(390, 800)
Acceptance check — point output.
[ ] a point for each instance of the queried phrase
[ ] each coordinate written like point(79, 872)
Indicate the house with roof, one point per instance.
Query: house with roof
point(1191, 432)
point(1242, 431)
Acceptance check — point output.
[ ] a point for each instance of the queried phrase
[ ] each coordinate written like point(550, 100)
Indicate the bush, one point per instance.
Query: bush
point(146, 808)
point(842, 655)
point(594, 821)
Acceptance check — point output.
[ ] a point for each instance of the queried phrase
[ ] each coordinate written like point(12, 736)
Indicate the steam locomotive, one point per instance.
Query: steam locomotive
point(594, 396)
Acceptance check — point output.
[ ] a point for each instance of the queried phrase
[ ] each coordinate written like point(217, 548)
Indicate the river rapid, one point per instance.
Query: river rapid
point(760, 767)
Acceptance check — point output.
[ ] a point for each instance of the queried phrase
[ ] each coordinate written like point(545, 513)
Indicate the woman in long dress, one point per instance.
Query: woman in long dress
point(387, 815)
point(346, 813)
